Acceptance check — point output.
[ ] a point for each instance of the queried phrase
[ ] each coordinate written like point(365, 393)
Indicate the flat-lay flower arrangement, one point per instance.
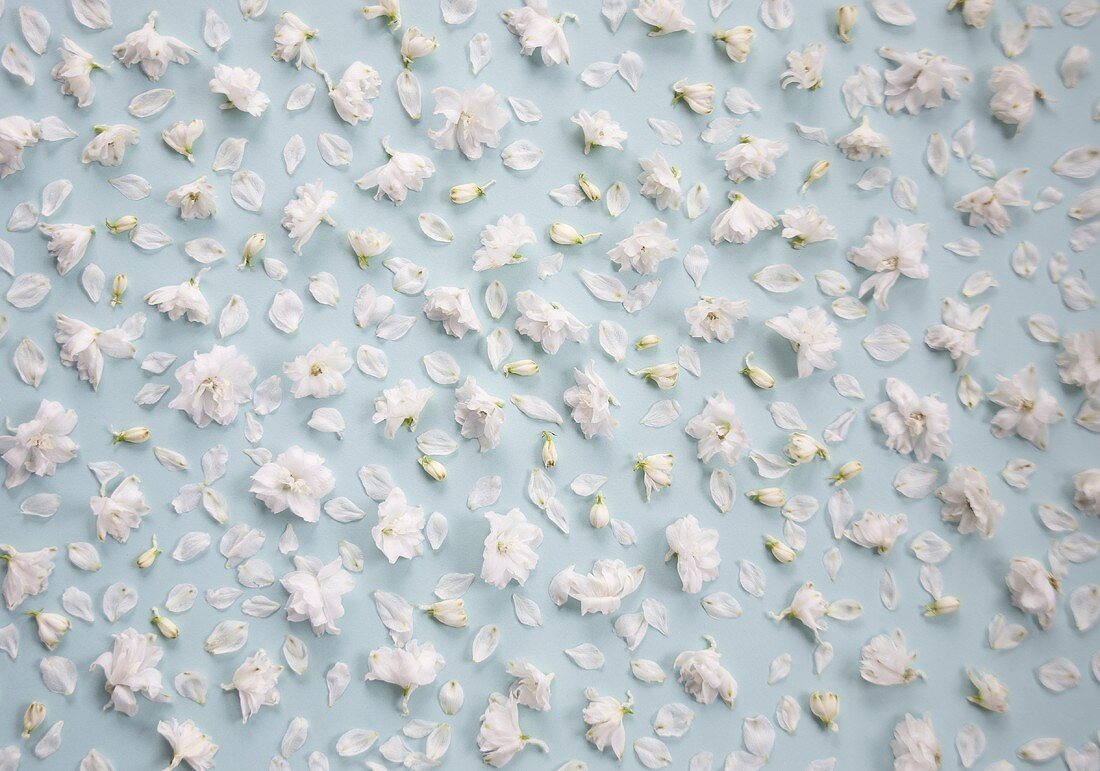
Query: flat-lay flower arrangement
point(640, 383)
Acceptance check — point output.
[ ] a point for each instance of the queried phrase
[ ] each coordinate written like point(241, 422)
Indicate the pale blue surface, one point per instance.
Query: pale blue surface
point(974, 571)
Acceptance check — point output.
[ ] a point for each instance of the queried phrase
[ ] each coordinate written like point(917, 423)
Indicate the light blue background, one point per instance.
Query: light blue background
point(974, 571)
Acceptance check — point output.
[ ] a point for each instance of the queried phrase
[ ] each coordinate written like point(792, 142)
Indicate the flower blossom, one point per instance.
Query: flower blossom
point(718, 430)
point(292, 36)
point(1086, 491)
point(180, 300)
point(812, 336)
point(510, 552)
point(256, 682)
point(604, 716)
point(189, 744)
point(213, 385)
point(547, 323)
point(500, 738)
point(891, 251)
point(696, 553)
point(68, 243)
point(452, 306)
point(877, 531)
point(1079, 361)
point(195, 200)
point(308, 209)
point(660, 181)
point(989, 205)
point(664, 17)
point(968, 502)
point(130, 668)
point(401, 173)
point(752, 158)
point(591, 402)
point(600, 591)
point(1034, 589)
point(297, 480)
point(152, 51)
point(1014, 95)
point(74, 72)
point(958, 334)
point(805, 225)
point(400, 529)
point(913, 424)
point(353, 94)
point(804, 68)
point(741, 222)
point(407, 667)
point(921, 80)
point(108, 146)
point(531, 686)
point(501, 243)
point(479, 414)
point(645, 248)
point(16, 135)
point(41, 444)
point(241, 88)
point(713, 318)
point(320, 372)
point(315, 590)
point(599, 130)
point(83, 346)
point(537, 29)
point(400, 406)
point(915, 745)
point(1027, 409)
point(863, 143)
point(703, 676)
point(28, 573)
point(887, 660)
point(120, 512)
point(472, 117)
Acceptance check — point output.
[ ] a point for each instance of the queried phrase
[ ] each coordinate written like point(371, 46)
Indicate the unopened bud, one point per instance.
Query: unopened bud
point(253, 246)
point(149, 556)
point(591, 192)
point(461, 194)
point(781, 551)
point(598, 515)
point(118, 288)
point(759, 377)
point(522, 368)
point(433, 468)
point(647, 341)
point(768, 496)
point(33, 717)
point(122, 224)
point(451, 697)
point(166, 626)
point(549, 450)
point(135, 435)
point(942, 606)
point(567, 235)
point(845, 21)
point(850, 469)
point(817, 171)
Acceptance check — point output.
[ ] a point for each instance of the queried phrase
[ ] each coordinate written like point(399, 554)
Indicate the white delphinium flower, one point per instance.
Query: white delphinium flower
point(241, 88)
point(510, 548)
point(660, 181)
point(472, 118)
point(531, 688)
point(121, 512)
point(315, 590)
point(320, 372)
point(1014, 95)
point(664, 16)
point(804, 68)
point(1079, 361)
point(74, 72)
point(152, 50)
point(1034, 589)
point(591, 402)
point(1086, 491)
point(390, 10)
point(292, 36)
point(645, 248)
point(416, 45)
point(195, 200)
point(16, 135)
point(958, 334)
point(479, 414)
point(213, 385)
point(703, 676)
point(741, 222)
point(51, 629)
point(737, 41)
point(887, 660)
point(921, 80)
point(812, 336)
point(41, 444)
point(256, 682)
point(408, 667)
point(989, 205)
point(308, 209)
point(189, 744)
point(501, 243)
point(600, 591)
point(699, 97)
point(401, 173)
point(810, 607)
point(912, 423)
point(452, 306)
point(1028, 410)
point(825, 706)
point(179, 300)
point(968, 502)
point(752, 158)
point(547, 323)
point(353, 94)
point(889, 252)
point(536, 28)
point(181, 137)
point(915, 745)
point(295, 480)
point(368, 243)
point(805, 225)
point(990, 692)
point(68, 243)
point(719, 431)
point(130, 668)
point(599, 130)
point(604, 716)
point(656, 471)
point(863, 143)
point(975, 13)
point(400, 529)
point(28, 572)
point(108, 146)
point(875, 530)
point(500, 738)
point(803, 448)
point(400, 406)
point(713, 318)
point(696, 553)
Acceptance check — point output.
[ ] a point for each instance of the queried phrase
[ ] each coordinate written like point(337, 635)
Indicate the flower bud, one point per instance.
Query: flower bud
point(122, 224)
point(768, 496)
point(647, 341)
point(803, 448)
point(941, 606)
point(522, 367)
point(448, 612)
point(432, 468)
point(33, 717)
point(850, 469)
point(699, 97)
point(368, 243)
point(826, 707)
point(253, 246)
point(598, 515)
point(817, 171)
point(759, 377)
point(461, 194)
point(591, 192)
point(845, 21)
point(567, 235)
point(415, 45)
point(136, 435)
point(166, 626)
point(549, 450)
point(118, 288)
point(51, 627)
point(149, 556)
point(451, 697)
point(781, 551)
point(663, 375)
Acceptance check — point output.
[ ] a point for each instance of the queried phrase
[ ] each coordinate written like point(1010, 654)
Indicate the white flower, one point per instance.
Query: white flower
point(28, 572)
point(989, 205)
point(1079, 361)
point(292, 36)
point(1086, 491)
point(863, 143)
point(660, 181)
point(368, 243)
point(990, 692)
point(152, 50)
point(975, 13)
point(699, 97)
point(195, 200)
point(178, 300)
point(501, 243)
point(510, 552)
point(921, 80)
point(1034, 590)
point(390, 10)
point(664, 16)
point(74, 72)
point(599, 130)
point(315, 590)
point(805, 225)
point(400, 529)
point(809, 607)
point(546, 322)
point(713, 318)
point(536, 28)
point(399, 174)
point(696, 552)
point(604, 716)
point(39, 445)
point(891, 251)
point(452, 306)
point(803, 448)
point(887, 660)
point(256, 682)
point(308, 209)
point(804, 68)
point(877, 531)
point(353, 94)
point(703, 676)
point(1027, 408)
point(968, 502)
point(718, 430)
point(591, 402)
point(116, 515)
point(16, 134)
point(408, 668)
point(472, 117)
point(51, 628)
point(295, 480)
point(603, 589)
point(130, 668)
point(108, 146)
point(320, 372)
point(645, 248)
point(738, 42)
point(479, 414)
point(740, 223)
point(68, 243)
point(241, 89)
point(915, 745)
point(958, 334)
point(656, 471)
point(400, 406)
point(825, 706)
point(912, 423)
point(531, 688)
point(415, 45)
point(213, 385)
point(812, 336)
point(189, 744)
point(752, 158)
point(1014, 95)
point(500, 738)
point(181, 137)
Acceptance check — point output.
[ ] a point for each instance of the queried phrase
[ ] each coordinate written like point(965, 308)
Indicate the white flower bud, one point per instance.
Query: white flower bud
point(166, 626)
point(817, 171)
point(647, 341)
point(850, 469)
point(522, 367)
point(781, 551)
point(149, 556)
point(451, 697)
point(118, 288)
point(803, 448)
point(461, 194)
point(768, 496)
point(433, 468)
point(699, 97)
point(663, 375)
point(845, 22)
point(33, 717)
point(941, 606)
point(368, 243)
point(122, 224)
point(598, 515)
point(591, 192)
point(415, 45)
point(567, 235)
point(136, 435)
point(759, 377)
point(51, 627)
point(826, 707)
point(448, 612)
point(549, 450)
point(253, 246)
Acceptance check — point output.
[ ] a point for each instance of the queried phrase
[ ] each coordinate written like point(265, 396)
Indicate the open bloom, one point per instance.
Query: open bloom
point(400, 406)
point(320, 372)
point(401, 173)
point(195, 200)
point(660, 181)
point(315, 590)
point(752, 158)
point(68, 243)
point(83, 346)
point(452, 306)
point(501, 243)
point(408, 668)
point(308, 209)
point(604, 716)
point(703, 676)
point(877, 531)
point(656, 471)
point(151, 50)
point(120, 512)
point(990, 693)
point(41, 444)
point(958, 334)
point(975, 13)
point(108, 146)
point(400, 529)
point(805, 225)
point(891, 251)
point(241, 88)
point(599, 130)
point(912, 423)
point(74, 72)
point(179, 300)
point(696, 552)
point(537, 29)
point(130, 668)
point(1086, 491)
point(416, 45)
point(479, 414)
point(645, 248)
point(189, 744)
point(713, 318)
point(887, 660)
point(500, 738)
point(181, 137)
point(921, 80)
point(292, 41)
point(28, 572)
point(741, 222)
point(1034, 589)
point(213, 385)
point(968, 502)
point(547, 323)
point(812, 336)
point(989, 205)
point(737, 41)
point(591, 402)
point(1014, 95)
point(600, 591)
point(354, 94)
point(810, 608)
point(531, 686)
point(718, 430)
point(1027, 409)
point(804, 68)
point(472, 118)
point(256, 682)
point(863, 143)
point(1079, 361)
point(915, 745)
point(699, 97)
point(295, 480)
point(664, 16)
point(510, 552)
point(16, 135)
